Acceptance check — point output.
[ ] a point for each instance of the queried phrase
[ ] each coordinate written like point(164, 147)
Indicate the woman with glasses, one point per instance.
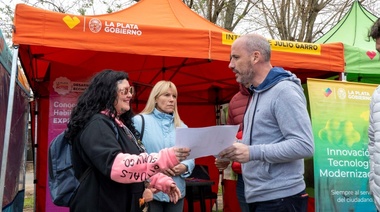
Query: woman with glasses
point(114, 164)
point(161, 118)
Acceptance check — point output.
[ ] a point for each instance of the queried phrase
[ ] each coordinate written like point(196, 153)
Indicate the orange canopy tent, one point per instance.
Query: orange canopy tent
point(151, 40)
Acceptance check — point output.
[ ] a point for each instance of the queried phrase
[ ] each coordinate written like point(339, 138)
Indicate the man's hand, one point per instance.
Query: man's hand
point(221, 164)
point(237, 152)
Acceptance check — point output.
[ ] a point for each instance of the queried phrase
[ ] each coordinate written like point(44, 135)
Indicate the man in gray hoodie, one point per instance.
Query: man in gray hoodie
point(277, 132)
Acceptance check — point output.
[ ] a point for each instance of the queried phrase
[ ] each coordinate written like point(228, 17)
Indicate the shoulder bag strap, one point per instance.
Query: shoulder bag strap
point(142, 127)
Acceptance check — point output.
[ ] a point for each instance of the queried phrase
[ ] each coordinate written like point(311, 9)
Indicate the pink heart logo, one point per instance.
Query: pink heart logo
point(371, 54)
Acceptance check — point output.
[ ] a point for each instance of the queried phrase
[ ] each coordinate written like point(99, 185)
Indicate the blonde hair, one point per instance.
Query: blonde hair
point(159, 89)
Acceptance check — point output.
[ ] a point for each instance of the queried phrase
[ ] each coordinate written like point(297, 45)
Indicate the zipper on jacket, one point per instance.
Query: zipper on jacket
point(253, 118)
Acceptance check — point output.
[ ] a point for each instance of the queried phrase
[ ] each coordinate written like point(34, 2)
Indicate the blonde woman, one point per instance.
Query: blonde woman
point(161, 118)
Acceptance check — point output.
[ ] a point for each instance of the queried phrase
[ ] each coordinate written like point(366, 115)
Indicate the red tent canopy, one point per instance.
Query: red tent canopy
point(171, 43)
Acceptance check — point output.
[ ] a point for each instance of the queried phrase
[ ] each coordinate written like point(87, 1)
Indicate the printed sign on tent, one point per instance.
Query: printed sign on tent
point(340, 113)
point(64, 93)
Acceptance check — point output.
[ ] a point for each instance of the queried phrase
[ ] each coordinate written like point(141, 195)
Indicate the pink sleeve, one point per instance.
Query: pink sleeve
point(161, 182)
point(129, 168)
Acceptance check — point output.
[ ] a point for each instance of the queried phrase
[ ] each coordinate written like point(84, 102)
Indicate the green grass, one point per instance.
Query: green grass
point(29, 202)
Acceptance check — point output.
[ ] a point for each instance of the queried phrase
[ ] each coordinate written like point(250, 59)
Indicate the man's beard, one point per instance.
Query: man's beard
point(247, 78)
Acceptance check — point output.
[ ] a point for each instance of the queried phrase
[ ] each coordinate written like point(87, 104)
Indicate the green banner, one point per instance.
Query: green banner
point(339, 114)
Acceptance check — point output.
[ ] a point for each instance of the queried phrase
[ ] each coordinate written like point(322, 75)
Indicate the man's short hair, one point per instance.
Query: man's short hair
point(374, 32)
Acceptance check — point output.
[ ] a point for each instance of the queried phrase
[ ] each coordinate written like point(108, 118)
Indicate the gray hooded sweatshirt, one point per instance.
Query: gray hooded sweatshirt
point(278, 130)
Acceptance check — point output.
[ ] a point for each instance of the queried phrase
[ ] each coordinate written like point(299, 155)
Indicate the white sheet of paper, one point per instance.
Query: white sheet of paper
point(205, 141)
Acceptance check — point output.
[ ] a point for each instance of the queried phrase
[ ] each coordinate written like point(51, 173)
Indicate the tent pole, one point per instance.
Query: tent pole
point(8, 123)
point(36, 113)
point(343, 77)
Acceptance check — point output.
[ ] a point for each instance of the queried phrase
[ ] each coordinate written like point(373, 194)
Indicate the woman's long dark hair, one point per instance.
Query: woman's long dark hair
point(100, 95)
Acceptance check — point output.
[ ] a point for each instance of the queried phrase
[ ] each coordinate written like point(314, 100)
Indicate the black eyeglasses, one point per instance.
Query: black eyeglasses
point(125, 91)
